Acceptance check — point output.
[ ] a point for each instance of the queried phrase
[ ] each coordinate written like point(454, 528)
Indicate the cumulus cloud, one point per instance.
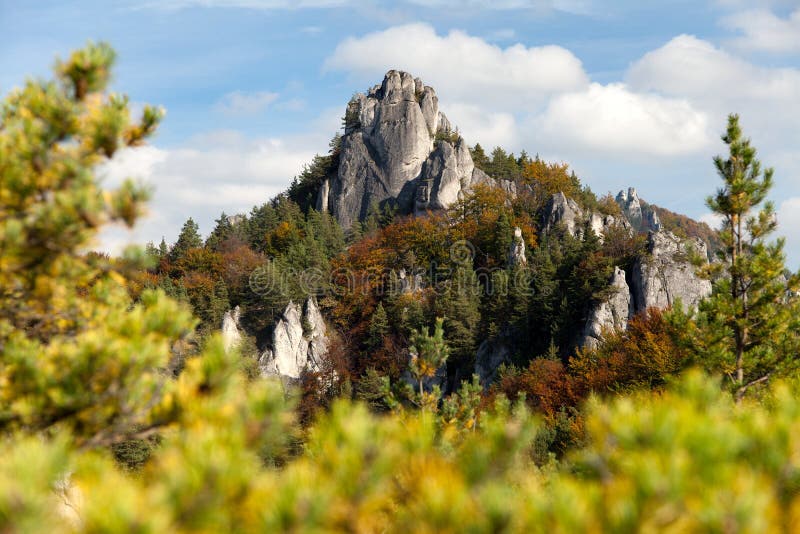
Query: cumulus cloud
point(215, 172)
point(239, 103)
point(462, 67)
point(518, 96)
point(789, 227)
point(761, 29)
point(690, 66)
point(613, 118)
point(490, 128)
point(717, 82)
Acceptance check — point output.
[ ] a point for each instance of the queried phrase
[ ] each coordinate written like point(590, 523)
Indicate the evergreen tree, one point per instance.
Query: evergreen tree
point(188, 238)
point(459, 304)
point(152, 254)
point(378, 328)
point(223, 230)
point(479, 157)
point(163, 248)
point(428, 354)
point(752, 300)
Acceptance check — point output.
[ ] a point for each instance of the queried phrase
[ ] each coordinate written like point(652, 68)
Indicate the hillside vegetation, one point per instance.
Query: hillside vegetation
point(122, 410)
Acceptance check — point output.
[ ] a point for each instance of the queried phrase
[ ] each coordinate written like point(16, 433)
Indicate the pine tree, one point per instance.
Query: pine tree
point(378, 328)
point(459, 305)
point(752, 300)
point(223, 230)
point(188, 238)
point(428, 354)
point(479, 157)
point(163, 248)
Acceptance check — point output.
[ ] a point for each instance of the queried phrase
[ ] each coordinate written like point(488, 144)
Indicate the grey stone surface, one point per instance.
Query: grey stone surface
point(631, 207)
point(641, 218)
point(390, 154)
point(516, 254)
point(565, 211)
point(611, 314)
point(666, 274)
point(231, 336)
point(294, 350)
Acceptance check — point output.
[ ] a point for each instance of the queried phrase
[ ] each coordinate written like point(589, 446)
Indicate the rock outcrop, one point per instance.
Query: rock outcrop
point(562, 210)
point(612, 313)
point(398, 149)
point(659, 279)
point(666, 274)
point(516, 254)
point(231, 337)
point(641, 218)
point(299, 342)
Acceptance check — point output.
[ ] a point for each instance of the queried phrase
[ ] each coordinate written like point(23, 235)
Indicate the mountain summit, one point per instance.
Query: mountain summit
point(400, 151)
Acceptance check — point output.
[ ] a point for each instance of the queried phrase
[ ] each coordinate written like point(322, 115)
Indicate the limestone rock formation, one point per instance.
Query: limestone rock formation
point(398, 148)
point(563, 210)
point(516, 255)
point(447, 171)
point(299, 342)
point(666, 273)
point(612, 313)
point(231, 336)
point(641, 218)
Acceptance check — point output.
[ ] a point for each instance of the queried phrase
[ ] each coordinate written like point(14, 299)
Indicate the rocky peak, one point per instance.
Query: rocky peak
point(612, 313)
point(516, 255)
point(642, 218)
point(299, 342)
point(563, 210)
point(231, 336)
point(398, 148)
point(631, 207)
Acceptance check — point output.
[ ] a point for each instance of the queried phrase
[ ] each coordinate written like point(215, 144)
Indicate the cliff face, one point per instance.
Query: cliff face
point(299, 342)
point(666, 274)
point(612, 313)
point(231, 336)
point(398, 149)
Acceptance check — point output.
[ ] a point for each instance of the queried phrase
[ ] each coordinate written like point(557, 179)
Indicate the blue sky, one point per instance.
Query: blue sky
point(627, 92)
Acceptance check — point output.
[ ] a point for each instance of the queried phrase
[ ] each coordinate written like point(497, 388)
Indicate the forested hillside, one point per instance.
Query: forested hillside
point(479, 343)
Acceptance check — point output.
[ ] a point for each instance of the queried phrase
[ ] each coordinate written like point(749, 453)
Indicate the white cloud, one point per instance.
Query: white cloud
point(518, 97)
point(461, 67)
point(720, 83)
point(218, 171)
point(763, 30)
point(712, 219)
point(238, 103)
point(789, 227)
point(613, 118)
point(689, 66)
point(489, 128)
